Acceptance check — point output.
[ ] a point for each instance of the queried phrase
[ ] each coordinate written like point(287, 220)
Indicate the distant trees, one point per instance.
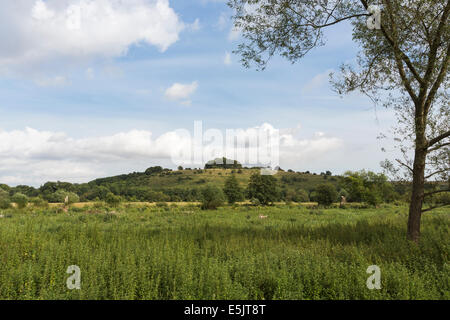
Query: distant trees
point(264, 188)
point(368, 187)
point(232, 190)
point(212, 198)
point(153, 170)
point(325, 194)
point(223, 163)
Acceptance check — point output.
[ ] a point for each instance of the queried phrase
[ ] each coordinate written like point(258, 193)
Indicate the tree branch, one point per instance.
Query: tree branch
point(435, 207)
point(404, 164)
point(403, 56)
point(434, 192)
point(437, 139)
point(438, 147)
point(437, 172)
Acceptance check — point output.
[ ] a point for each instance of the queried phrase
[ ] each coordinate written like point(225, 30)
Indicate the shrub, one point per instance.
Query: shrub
point(326, 194)
point(232, 190)
point(255, 202)
point(5, 203)
point(113, 200)
point(20, 200)
point(301, 196)
point(372, 197)
point(39, 202)
point(212, 198)
point(60, 196)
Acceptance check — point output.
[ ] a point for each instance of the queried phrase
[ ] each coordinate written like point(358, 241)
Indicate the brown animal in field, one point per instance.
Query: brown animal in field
point(262, 217)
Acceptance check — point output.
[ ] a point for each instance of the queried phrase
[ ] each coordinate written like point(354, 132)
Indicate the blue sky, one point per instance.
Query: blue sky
point(58, 87)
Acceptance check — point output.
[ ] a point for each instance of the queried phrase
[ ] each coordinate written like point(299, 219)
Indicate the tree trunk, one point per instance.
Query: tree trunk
point(415, 206)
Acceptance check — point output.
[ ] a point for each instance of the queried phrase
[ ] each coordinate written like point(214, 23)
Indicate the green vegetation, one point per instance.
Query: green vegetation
point(326, 194)
point(20, 200)
point(264, 188)
point(161, 252)
point(213, 198)
point(232, 190)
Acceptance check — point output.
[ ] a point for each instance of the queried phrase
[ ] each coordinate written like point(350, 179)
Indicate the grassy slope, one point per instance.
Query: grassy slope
point(143, 252)
point(189, 179)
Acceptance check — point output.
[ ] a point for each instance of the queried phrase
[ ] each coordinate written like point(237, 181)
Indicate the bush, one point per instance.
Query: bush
point(20, 200)
point(232, 190)
point(113, 200)
point(60, 197)
point(5, 203)
point(212, 198)
point(39, 202)
point(326, 194)
point(301, 196)
point(372, 197)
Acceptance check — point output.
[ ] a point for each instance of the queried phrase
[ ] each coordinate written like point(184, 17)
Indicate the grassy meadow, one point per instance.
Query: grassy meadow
point(181, 252)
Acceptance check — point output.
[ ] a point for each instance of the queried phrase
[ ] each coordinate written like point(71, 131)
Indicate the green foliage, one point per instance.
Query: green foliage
point(145, 253)
point(300, 195)
point(264, 188)
point(20, 200)
point(113, 200)
point(5, 201)
point(60, 197)
point(154, 170)
point(232, 190)
point(38, 202)
point(326, 194)
point(369, 187)
point(213, 198)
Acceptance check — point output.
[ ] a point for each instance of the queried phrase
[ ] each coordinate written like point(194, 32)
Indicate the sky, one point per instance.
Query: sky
point(94, 88)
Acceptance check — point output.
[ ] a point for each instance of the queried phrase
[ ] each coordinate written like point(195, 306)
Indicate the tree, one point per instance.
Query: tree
point(264, 188)
point(232, 190)
point(20, 200)
point(326, 194)
point(212, 198)
point(404, 57)
point(153, 170)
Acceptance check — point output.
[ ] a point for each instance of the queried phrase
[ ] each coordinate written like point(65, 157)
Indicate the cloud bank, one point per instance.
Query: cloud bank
point(35, 31)
point(33, 157)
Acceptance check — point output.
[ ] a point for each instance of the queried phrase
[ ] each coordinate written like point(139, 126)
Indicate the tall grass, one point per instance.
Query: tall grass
point(185, 253)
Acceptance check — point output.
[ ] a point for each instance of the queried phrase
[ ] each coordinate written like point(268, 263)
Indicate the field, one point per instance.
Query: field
point(181, 252)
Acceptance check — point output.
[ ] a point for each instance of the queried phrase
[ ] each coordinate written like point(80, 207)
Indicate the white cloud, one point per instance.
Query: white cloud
point(234, 34)
point(195, 26)
point(227, 59)
point(90, 74)
point(35, 31)
point(222, 22)
point(33, 157)
point(317, 82)
point(56, 81)
point(181, 92)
